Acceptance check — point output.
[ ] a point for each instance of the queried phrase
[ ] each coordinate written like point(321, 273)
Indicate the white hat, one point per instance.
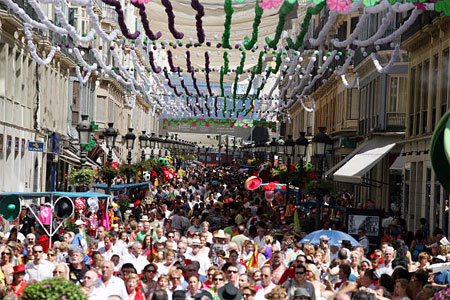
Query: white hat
point(144, 218)
point(196, 242)
point(323, 237)
point(163, 239)
point(79, 222)
point(220, 234)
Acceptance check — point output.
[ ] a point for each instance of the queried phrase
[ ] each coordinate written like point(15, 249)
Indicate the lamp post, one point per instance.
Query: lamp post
point(129, 139)
point(301, 145)
point(143, 140)
point(289, 149)
point(273, 149)
point(110, 136)
point(84, 129)
point(321, 140)
point(152, 141)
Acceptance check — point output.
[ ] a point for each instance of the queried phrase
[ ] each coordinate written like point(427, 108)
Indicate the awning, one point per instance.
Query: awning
point(33, 195)
point(367, 156)
point(116, 159)
point(73, 159)
point(397, 165)
point(120, 187)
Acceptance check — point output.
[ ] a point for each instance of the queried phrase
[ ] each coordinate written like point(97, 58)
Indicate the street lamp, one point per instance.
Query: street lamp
point(129, 139)
point(321, 140)
point(143, 143)
point(110, 136)
point(301, 145)
point(152, 142)
point(289, 147)
point(84, 129)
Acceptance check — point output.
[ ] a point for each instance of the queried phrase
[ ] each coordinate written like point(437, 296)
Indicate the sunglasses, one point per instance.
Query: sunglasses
point(246, 295)
point(218, 279)
point(264, 275)
point(150, 271)
point(6, 253)
point(39, 251)
point(191, 270)
point(177, 278)
point(299, 273)
point(232, 272)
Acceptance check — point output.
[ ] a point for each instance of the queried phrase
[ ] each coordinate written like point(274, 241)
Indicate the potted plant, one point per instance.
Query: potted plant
point(78, 176)
point(53, 289)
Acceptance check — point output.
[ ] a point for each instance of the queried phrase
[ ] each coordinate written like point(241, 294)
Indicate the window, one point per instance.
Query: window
point(434, 90)
point(352, 104)
point(411, 101)
point(425, 84)
point(397, 94)
point(444, 87)
point(417, 96)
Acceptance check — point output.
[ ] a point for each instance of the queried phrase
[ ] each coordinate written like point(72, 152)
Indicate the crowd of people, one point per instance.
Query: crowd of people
point(205, 237)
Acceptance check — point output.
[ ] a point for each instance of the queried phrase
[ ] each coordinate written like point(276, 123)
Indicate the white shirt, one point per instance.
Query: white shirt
point(39, 272)
point(115, 286)
point(107, 254)
point(203, 259)
point(139, 262)
point(260, 295)
point(97, 294)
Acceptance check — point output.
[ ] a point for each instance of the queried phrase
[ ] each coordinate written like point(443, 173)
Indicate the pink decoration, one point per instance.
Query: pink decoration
point(80, 204)
point(269, 4)
point(339, 5)
point(269, 196)
point(93, 221)
point(278, 195)
point(141, 1)
point(45, 215)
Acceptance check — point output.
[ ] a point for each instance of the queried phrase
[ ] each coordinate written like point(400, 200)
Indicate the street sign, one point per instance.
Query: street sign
point(36, 146)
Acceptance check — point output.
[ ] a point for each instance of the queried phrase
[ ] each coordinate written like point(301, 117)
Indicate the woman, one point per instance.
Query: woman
point(169, 258)
point(402, 290)
point(424, 261)
point(354, 258)
point(175, 276)
point(233, 260)
point(298, 281)
point(62, 252)
point(219, 281)
point(256, 276)
point(97, 261)
point(61, 270)
point(364, 265)
point(148, 283)
point(18, 254)
point(146, 245)
point(51, 255)
point(377, 259)
point(248, 293)
point(278, 293)
point(6, 265)
point(209, 283)
point(205, 229)
point(18, 283)
point(417, 245)
point(123, 238)
point(312, 275)
point(193, 286)
point(163, 284)
point(131, 283)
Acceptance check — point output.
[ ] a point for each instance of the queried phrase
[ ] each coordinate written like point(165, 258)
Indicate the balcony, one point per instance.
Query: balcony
point(423, 20)
point(25, 6)
point(396, 121)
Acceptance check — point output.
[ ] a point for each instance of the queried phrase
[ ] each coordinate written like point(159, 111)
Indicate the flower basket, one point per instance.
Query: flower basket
point(315, 187)
point(53, 289)
point(128, 171)
point(108, 171)
point(81, 176)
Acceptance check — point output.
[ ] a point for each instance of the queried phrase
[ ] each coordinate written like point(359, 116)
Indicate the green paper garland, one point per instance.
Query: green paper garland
point(305, 26)
point(277, 67)
point(223, 71)
point(194, 122)
point(228, 7)
point(249, 43)
point(284, 10)
point(258, 69)
point(239, 72)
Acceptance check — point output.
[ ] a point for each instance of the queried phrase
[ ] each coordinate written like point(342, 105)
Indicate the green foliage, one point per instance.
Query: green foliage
point(324, 187)
point(249, 43)
point(108, 171)
point(443, 6)
point(53, 289)
point(81, 176)
point(129, 171)
point(284, 10)
point(123, 202)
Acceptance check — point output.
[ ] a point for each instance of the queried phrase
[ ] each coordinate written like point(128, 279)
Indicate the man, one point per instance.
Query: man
point(278, 267)
point(139, 261)
point(110, 285)
point(418, 280)
point(388, 258)
point(260, 239)
point(363, 240)
point(179, 222)
point(182, 248)
point(244, 281)
point(266, 283)
point(101, 233)
point(90, 280)
point(147, 230)
point(232, 274)
point(39, 269)
point(107, 251)
point(240, 238)
point(77, 268)
point(193, 287)
point(300, 260)
point(300, 282)
point(196, 255)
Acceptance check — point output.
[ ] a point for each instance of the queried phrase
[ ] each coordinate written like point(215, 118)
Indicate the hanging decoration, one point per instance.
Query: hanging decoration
point(250, 43)
point(194, 122)
point(195, 4)
point(284, 10)
point(121, 19)
point(144, 20)
point(171, 22)
point(229, 10)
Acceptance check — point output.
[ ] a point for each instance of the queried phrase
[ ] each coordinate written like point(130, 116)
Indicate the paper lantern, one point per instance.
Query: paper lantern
point(252, 183)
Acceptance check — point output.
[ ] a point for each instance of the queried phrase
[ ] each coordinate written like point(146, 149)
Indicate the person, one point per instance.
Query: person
point(18, 284)
point(363, 239)
point(301, 294)
point(278, 293)
point(90, 280)
point(299, 281)
point(266, 282)
point(277, 266)
point(61, 271)
point(193, 286)
point(175, 276)
point(232, 274)
point(402, 290)
point(229, 292)
point(240, 238)
point(77, 266)
point(39, 269)
point(219, 281)
point(148, 284)
point(107, 251)
point(111, 285)
point(131, 284)
point(6, 265)
point(248, 293)
point(139, 261)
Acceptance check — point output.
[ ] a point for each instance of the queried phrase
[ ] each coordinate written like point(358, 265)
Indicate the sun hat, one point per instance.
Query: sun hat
point(229, 292)
point(220, 234)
